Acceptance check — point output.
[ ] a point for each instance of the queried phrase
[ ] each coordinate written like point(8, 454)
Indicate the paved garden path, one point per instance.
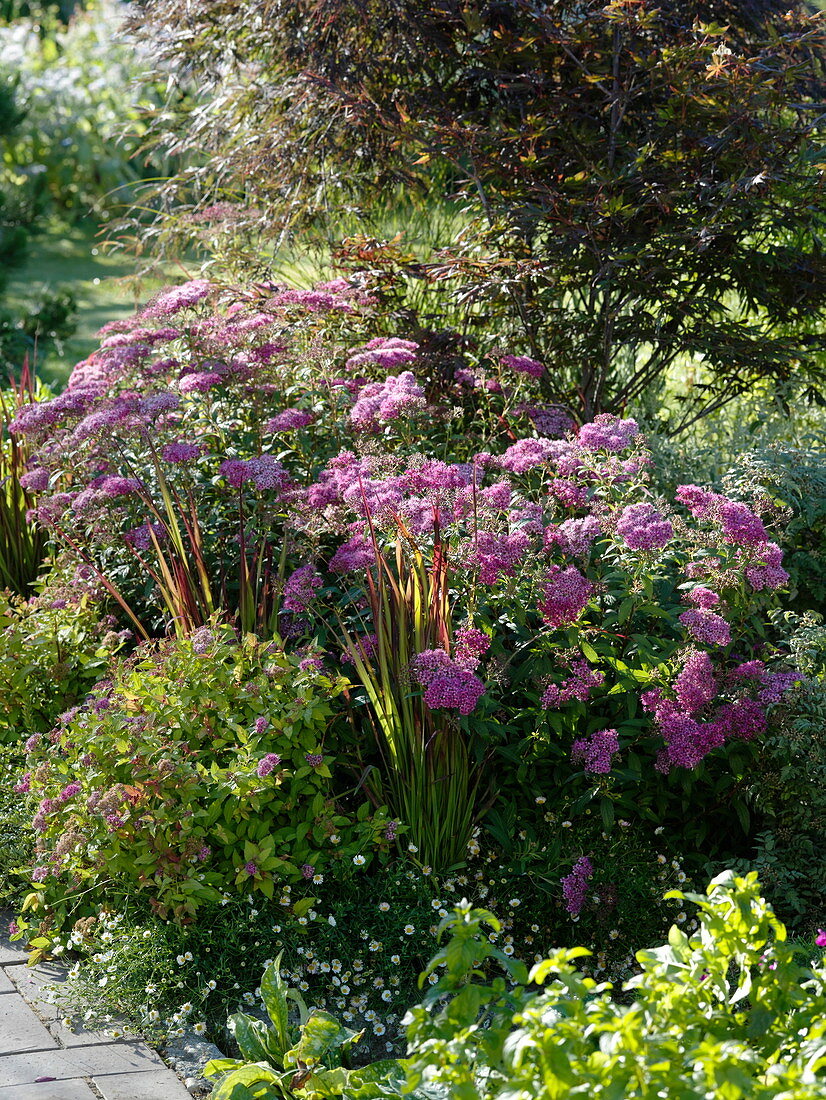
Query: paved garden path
point(40, 1059)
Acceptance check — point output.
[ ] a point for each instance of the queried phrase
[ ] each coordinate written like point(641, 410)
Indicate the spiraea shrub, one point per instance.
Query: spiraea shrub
point(497, 583)
point(202, 769)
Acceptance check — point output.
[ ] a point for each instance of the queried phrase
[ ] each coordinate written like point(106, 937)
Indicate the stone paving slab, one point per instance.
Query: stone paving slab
point(20, 1028)
point(11, 953)
point(30, 982)
point(77, 1064)
point(49, 1090)
point(142, 1086)
point(100, 1061)
point(77, 1035)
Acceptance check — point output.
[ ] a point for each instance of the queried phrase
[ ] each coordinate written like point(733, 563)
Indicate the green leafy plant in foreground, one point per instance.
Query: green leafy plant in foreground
point(286, 1060)
point(54, 646)
point(727, 1013)
point(16, 840)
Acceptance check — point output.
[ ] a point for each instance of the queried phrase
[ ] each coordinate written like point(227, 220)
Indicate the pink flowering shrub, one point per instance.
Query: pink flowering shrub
point(203, 768)
point(246, 452)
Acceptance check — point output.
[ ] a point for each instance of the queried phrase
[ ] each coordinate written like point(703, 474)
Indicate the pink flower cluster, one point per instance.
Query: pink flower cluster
point(579, 685)
point(739, 526)
point(388, 353)
point(766, 571)
point(703, 597)
point(353, 556)
point(549, 420)
point(772, 686)
point(527, 454)
point(265, 472)
point(498, 555)
point(35, 480)
point(99, 492)
point(596, 753)
point(289, 420)
point(608, 433)
point(565, 595)
point(177, 298)
point(641, 527)
point(447, 682)
point(199, 381)
point(380, 402)
point(575, 885)
point(365, 646)
point(574, 537)
point(469, 646)
point(689, 724)
point(141, 537)
point(180, 453)
point(706, 626)
point(336, 296)
point(695, 686)
point(267, 764)
point(299, 589)
point(523, 365)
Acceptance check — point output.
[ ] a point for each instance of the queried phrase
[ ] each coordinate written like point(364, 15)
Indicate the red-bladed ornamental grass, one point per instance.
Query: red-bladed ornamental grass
point(498, 586)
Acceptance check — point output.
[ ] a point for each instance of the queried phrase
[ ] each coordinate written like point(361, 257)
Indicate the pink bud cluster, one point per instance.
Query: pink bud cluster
point(447, 682)
point(578, 686)
point(596, 753)
point(300, 588)
point(565, 595)
point(575, 885)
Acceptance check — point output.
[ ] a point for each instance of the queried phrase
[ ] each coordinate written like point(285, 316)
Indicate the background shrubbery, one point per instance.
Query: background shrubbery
point(82, 91)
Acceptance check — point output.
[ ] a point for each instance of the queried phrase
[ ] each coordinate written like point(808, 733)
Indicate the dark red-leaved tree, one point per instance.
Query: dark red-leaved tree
point(643, 188)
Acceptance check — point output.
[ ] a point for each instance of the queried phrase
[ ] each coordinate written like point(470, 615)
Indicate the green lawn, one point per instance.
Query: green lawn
point(71, 257)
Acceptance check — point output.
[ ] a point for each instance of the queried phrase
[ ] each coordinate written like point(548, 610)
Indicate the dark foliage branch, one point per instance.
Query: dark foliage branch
point(644, 188)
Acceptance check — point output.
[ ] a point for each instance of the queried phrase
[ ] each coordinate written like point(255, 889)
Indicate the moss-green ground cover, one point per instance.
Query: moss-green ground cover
point(73, 257)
